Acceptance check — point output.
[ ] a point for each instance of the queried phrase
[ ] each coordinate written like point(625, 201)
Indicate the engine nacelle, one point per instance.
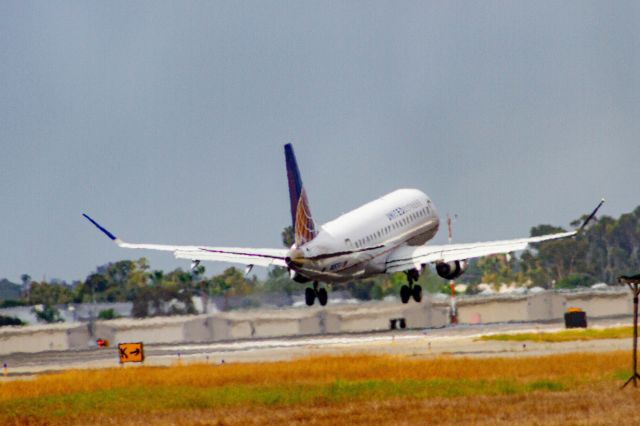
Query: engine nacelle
point(451, 270)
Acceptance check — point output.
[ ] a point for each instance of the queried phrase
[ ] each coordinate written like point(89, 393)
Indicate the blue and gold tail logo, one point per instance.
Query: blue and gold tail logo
point(303, 226)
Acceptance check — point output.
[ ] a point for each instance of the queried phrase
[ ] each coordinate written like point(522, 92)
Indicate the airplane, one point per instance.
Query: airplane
point(387, 235)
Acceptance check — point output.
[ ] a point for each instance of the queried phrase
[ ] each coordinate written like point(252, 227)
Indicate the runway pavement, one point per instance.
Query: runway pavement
point(459, 340)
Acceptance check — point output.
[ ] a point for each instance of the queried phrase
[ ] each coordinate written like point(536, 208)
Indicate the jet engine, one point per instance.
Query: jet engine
point(451, 270)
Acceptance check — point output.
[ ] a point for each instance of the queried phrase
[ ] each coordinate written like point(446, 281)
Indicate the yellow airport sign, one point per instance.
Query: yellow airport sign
point(131, 352)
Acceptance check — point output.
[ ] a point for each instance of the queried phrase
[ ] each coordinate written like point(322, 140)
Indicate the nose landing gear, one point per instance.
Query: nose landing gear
point(310, 295)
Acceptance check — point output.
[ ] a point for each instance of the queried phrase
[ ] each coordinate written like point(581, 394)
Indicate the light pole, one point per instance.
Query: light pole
point(634, 284)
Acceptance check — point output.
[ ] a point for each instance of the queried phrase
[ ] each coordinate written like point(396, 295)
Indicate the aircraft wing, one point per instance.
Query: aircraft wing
point(408, 257)
point(245, 256)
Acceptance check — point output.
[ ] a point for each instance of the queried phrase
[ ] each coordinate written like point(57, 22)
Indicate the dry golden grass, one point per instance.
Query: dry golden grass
point(573, 388)
point(596, 406)
point(565, 335)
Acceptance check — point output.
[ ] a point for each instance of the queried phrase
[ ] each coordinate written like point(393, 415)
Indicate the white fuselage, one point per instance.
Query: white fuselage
point(357, 244)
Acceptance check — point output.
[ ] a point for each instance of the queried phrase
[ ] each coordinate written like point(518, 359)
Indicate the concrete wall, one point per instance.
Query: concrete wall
point(359, 318)
point(56, 337)
point(544, 306)
point(267, 323)
point(493, 309)
point(197, 329)
point(434, 315)
point(377, 316)
point(601, 304)
point(155, 330)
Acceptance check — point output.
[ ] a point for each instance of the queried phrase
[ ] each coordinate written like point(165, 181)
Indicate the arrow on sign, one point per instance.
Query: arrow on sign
point(131, 352)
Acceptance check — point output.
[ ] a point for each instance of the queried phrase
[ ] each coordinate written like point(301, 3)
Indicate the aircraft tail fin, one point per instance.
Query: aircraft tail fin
point(304, 228)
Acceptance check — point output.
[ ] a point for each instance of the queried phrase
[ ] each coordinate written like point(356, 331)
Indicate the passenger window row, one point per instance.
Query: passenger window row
point(397, 224)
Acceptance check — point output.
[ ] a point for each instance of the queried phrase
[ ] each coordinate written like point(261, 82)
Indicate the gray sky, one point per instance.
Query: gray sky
point(166, 120)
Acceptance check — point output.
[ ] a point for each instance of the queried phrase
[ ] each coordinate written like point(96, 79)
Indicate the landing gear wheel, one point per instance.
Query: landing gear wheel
point(309, 296)
point(416, 292)
point(323, 296)
point(405, 293)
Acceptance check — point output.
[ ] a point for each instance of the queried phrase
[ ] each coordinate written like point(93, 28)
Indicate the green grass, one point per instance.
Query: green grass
point(146, 399)
point(565, 335)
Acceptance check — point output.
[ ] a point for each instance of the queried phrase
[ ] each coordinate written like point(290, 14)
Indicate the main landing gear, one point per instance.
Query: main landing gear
point(411, 290)
point(310, 295)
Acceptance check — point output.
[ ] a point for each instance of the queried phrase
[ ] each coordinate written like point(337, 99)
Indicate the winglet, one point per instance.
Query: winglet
point(591, 216)
point(97, 225)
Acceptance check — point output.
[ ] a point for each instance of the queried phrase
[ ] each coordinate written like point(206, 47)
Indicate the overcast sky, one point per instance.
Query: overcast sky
point(166, 120)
